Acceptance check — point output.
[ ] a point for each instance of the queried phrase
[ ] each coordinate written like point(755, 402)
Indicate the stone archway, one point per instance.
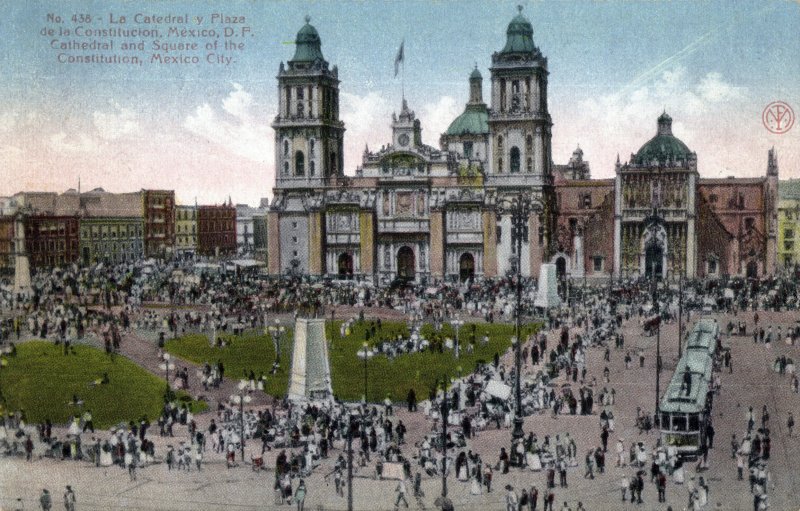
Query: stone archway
point(653, 261)
point(561, 267)
point(406, 263)
point(466, 266)
point(345, 265)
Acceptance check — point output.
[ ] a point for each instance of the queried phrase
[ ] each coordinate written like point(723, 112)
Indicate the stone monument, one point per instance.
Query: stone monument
point(547, 292)
point(22, 267)
point(311, 372)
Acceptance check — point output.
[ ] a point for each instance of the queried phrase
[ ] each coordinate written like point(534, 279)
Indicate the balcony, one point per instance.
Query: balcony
point(403, 225)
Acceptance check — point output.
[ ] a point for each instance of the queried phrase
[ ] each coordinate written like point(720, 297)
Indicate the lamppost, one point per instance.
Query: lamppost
point(276, 331)
point(520, 209)
point(365, 353)
point(350, 431)
point(166, 365)
point(240, 399)
point(445, 414)
point(654, 224)
point(680, 315)
point(457, 323)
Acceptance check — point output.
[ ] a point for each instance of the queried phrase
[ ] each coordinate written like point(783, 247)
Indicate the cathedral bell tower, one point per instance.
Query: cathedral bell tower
point(308, 133)
point(519, 120)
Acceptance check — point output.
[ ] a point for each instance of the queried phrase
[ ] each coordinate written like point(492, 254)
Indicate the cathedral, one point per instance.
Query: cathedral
point(419, 213)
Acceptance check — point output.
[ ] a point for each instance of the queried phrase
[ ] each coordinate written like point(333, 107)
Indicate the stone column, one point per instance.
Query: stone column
point(538, 152)
point(691, 249)
point(367, 239)
point(273, 243)
point(535, 251)
point(489, 244)
point(315, 244)
point(437, 234)
point(578, 269)
point(504, 248)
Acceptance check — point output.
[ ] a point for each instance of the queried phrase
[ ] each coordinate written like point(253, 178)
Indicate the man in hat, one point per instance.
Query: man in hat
point(69, 499)
point(45, 500)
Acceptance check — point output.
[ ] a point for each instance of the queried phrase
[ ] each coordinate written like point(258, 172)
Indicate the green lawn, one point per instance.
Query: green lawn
point(419, 371)
point(254, 351)
point(251, 351)
point(42, 381)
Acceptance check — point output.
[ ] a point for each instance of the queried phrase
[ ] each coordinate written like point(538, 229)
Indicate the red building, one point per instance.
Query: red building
point(6, 243)
point(216, 230)
point(51, 240)
point(159, 222)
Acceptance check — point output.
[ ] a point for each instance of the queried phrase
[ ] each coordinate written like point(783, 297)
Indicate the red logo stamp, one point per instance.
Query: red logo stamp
point(778, 117)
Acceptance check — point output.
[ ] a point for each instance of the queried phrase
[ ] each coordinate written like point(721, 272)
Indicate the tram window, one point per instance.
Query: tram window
point(694, 422)
point(678, 423)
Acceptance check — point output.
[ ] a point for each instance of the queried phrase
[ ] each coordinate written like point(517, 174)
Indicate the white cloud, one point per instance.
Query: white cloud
point(82, 143)
point(116, 124)
point(235, 130)
point(436, 118)
point(709, 114)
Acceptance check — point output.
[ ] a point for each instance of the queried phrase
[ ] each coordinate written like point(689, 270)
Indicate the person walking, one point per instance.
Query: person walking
point(300, 495)
point(45, 500)
point(69, 499)
point(512, 501)
point(790, 424)
point(401, 493)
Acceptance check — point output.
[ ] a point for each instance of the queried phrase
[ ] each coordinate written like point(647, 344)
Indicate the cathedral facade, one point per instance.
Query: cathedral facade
point(415, 212)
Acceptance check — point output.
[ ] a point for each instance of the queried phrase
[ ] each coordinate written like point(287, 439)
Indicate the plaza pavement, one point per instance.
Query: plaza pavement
point(752, 383)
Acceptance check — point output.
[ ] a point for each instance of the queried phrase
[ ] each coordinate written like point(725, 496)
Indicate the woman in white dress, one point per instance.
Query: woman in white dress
point(463, 472)
point(534, 461)
point(678, 475)
point(702, 493)
point(474, 486)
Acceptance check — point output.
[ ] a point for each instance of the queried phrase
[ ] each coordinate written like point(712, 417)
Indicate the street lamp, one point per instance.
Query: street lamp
point(520, 208)
point(365, 354)
point(240, 399)
point(445, 414)
point(456, 326)
point(166, 365)
point(654, 224)
point(276, 331)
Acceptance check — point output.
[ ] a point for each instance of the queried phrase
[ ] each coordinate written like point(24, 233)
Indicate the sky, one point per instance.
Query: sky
point(203, 129)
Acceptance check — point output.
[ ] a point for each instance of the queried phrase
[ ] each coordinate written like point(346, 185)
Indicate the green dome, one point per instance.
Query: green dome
point(519, 35)
point(474, 121)
point(476, 75)
point(664, 146)
point(308, 44)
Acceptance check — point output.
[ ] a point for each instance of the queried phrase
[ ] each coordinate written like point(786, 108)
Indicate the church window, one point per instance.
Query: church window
point(529, 143)
point(516, 97)
point(286, 148)
point(499, 233)
point(741, 201)
point(515, 159)
point(529, 165)
point(286, 168)
point(311, 148)
point(299, 164)
point(312, 167)
point(502, 95)
point(500, 144)
point(467, 149)
point(333, 164)
point(300, 102)
point(598, 263)
point(712, 266)
point(500, 165)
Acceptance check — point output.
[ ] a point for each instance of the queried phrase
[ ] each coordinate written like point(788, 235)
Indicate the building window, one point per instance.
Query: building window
point(294, 253)
point(515, 159)
point(300, 102)
point(573, 225)
point(788, 245)
point(713, 200)
point(529, 144)
point(294, 225)
point(598, 263)
point(286, 148)
point(467, 149)
point(299, 163)
point(587, 200)
point(294, 239)
point(500, 165)
point(311, 148)
point(500, 144)
point(749, 223)
point(788, 233)
point(499, 233)
point(712, 266)
point(312, 167)
point(529, 166)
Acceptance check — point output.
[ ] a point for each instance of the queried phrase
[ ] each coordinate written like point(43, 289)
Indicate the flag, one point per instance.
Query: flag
point(399, 59)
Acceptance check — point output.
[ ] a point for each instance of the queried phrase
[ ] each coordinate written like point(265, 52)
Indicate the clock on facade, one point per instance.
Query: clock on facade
point(403, 139)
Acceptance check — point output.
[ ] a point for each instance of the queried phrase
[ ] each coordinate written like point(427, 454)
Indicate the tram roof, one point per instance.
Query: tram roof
point(675, 400)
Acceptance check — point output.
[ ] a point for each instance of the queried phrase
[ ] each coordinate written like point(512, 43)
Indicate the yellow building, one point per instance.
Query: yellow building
point(186, 229)
point(789, 223)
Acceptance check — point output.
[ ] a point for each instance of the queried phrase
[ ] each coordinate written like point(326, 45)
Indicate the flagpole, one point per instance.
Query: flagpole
point(403, 77)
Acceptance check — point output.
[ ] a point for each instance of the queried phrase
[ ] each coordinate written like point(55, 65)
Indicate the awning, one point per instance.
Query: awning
point(246, 263)
point(498, 389)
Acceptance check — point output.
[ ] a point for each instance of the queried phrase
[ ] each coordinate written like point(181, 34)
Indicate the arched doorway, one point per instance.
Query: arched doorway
point(561, 268)
point(466, 266)
point(345, 264)
point(654, 261)
point(752, 270)
point(406, 263)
